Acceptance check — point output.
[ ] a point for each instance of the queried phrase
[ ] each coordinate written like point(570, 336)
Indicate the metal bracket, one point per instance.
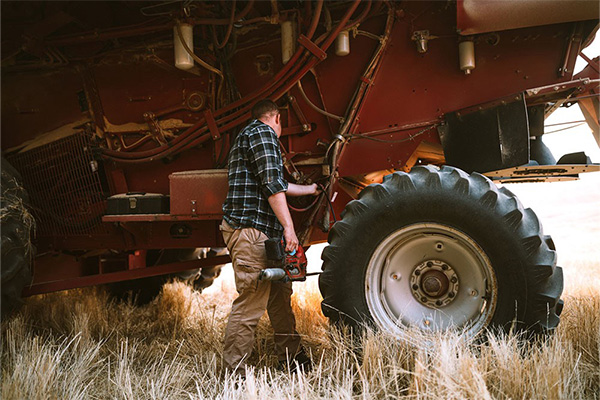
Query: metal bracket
point(422, 38)
point(212, 125)
point(303, 121)
point(572, 51)
point(313, 48)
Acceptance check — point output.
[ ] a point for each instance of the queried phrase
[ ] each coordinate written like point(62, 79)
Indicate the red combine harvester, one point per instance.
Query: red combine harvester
point(117, 119)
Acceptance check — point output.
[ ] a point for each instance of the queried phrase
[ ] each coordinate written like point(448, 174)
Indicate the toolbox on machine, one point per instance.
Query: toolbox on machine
point(198, 194)
point(137, 203)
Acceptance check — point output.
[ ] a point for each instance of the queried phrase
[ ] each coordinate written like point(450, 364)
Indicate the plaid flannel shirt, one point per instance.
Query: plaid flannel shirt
point(255, 173)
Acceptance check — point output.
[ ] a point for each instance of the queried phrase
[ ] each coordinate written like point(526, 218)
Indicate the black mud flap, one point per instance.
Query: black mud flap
point(489, 139)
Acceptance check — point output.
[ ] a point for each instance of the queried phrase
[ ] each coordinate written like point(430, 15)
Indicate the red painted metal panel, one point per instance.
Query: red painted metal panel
point(143, 233)
point(28, 110)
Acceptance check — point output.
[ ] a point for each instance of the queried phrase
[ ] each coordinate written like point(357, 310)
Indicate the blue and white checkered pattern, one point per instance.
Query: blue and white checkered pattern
point(255, 173)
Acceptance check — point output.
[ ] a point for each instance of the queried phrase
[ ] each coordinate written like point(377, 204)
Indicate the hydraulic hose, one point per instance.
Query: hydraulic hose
point(283, 72)
point(229, 29)
point(312, 62)
point(148, 154)
point(289, 69)
point(194, 136)
point(314, 107)
point(201, 136)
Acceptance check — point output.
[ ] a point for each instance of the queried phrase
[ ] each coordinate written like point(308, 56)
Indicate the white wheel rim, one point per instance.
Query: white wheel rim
point(465, 291)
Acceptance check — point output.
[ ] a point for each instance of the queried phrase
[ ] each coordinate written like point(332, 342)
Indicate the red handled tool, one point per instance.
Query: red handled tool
point(288, 266)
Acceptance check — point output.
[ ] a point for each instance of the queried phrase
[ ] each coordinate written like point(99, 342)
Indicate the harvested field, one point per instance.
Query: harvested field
point(81, 345)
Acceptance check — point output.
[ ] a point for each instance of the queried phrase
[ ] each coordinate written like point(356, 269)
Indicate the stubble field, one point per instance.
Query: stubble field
point(81, 345)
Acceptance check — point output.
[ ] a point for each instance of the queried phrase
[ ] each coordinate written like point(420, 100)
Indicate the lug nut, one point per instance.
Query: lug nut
point(438, 303)
point(454, 279)
point(445, 267)
point(415, 287)
point(417, 272)
point(429, 264)
point(451, 294)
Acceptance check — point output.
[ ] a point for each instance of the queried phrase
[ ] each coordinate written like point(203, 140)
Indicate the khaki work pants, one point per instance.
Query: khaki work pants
point(248, 255)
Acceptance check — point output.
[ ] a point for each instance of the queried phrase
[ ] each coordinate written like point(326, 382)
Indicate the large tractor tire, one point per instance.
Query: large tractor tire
point(17, 250)
point(438, 249)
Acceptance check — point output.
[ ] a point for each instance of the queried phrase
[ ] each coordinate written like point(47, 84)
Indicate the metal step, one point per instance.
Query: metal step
point(542, 173)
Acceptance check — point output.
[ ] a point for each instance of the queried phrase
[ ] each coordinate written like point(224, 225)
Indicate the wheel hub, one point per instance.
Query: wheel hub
point(430, 276)
point(434, 283)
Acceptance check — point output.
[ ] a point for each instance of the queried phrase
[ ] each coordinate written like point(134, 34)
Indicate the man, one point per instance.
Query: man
point(255, 210)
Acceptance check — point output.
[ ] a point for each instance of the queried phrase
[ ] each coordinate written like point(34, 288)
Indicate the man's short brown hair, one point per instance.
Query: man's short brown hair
point(264, 107)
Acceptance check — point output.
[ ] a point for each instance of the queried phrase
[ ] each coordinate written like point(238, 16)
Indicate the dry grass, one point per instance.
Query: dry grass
point(81, 345)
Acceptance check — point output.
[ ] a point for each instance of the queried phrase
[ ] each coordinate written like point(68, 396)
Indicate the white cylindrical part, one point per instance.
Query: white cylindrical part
point(287, 41)
point(466, 55)
point(183, 59)
point(272, 274)
point(342, 44)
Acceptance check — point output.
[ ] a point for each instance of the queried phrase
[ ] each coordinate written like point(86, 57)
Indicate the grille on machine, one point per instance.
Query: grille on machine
point(64, 186)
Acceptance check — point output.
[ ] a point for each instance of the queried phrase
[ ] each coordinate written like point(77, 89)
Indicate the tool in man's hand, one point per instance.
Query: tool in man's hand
point(289, 267)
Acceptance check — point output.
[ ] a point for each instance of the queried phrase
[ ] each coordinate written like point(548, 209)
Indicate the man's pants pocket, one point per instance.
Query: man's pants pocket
point(246, 277)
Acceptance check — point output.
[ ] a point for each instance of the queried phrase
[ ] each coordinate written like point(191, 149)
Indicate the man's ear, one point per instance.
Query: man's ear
point(278, 119)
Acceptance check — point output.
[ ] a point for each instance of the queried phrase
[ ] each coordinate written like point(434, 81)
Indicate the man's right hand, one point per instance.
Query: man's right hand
point(291, 240)
point(279, 205)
